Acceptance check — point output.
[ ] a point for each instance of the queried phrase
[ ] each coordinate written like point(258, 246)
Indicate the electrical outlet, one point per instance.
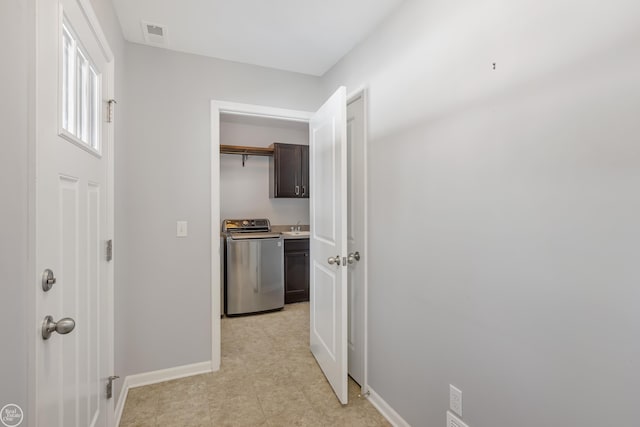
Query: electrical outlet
point(181, 229)
point(453, 421)
point(455, 399)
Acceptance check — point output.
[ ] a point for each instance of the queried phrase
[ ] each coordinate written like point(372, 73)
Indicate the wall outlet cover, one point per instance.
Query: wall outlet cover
point(455, 399)
point(453, 421)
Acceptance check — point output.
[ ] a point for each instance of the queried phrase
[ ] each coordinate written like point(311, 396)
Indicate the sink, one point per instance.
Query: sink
point(296, 233)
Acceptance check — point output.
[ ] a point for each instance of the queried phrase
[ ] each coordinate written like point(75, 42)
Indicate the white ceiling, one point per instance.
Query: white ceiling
point(306, 36)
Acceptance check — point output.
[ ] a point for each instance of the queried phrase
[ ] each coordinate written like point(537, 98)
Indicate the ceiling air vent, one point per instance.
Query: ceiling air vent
point(154, 34)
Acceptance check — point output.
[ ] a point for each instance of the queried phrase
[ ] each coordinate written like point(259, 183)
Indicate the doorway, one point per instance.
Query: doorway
point(357, 154)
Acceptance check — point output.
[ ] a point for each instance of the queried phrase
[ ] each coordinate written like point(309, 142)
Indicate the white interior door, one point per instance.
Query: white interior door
point(73, 215)
point(328, 240)
point(356, 237)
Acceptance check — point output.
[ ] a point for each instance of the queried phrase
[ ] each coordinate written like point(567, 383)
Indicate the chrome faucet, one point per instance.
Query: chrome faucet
point(298, 226)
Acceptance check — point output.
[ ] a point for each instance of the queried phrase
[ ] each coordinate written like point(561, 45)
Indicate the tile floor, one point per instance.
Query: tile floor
point(268, 378)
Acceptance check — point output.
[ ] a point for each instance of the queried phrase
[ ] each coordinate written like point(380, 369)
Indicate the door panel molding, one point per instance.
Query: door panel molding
point(324, 291)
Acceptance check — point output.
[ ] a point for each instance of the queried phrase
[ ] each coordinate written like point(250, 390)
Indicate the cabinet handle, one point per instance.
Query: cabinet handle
point(304, 190)
point(297, 190)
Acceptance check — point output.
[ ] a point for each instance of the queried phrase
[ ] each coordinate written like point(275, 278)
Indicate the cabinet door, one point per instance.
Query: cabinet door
point(304, 170)
point(296, 271)
point(287, 179)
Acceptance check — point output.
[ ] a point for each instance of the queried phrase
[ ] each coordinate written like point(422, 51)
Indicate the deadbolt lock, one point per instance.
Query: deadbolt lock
point(48, 280)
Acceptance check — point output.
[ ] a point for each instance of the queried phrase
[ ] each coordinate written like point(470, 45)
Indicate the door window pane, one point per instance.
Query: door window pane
point(81, 73)
point(80, 92)
point(68, 95)
point(93, 106)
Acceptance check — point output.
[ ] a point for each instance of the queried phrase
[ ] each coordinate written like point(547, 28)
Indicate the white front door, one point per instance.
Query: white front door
point(74, 80)
point(328, 240)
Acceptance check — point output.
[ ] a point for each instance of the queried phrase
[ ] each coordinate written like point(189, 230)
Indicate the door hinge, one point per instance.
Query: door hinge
point(110, 385)
point(110, 106)
point(109, 250)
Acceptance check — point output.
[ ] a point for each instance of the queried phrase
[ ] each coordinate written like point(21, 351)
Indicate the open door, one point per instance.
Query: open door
point(328, 240)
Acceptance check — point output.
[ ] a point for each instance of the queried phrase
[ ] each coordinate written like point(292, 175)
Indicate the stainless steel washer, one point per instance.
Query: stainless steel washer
point(254, 274)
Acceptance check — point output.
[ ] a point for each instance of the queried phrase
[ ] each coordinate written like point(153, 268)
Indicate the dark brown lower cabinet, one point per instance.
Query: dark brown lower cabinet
point(296, 270)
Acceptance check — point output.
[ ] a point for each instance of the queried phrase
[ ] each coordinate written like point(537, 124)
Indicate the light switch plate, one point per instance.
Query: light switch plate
point(453, 421)
point(181, 230)
point(455, 399)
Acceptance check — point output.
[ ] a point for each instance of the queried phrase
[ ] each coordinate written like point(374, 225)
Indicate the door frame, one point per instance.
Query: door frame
point(34, 276)
point(251, 110)
point(362, 92)
point(224, 107)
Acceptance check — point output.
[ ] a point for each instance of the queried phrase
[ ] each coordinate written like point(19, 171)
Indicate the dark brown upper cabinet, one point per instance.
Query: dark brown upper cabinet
point(289, 171)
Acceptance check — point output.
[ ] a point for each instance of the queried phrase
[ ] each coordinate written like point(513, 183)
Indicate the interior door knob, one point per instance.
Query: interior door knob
point(353, 256)
point(62, 326)
point(334, 260)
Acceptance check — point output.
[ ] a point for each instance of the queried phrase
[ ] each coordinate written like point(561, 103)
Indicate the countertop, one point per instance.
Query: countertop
point(282, 229)
point(286, 228)
point(294, 236)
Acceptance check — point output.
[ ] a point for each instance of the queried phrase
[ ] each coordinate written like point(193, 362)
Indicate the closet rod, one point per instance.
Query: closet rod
point(240, 149)
point(245, 152)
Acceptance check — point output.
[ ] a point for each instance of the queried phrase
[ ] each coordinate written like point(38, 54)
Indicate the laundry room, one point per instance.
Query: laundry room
point(264, 203)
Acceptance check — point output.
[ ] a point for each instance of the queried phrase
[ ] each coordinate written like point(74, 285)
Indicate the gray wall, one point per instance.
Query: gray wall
point(520, 283)
point(16, 24)
point(164, 283)
point(244, 191)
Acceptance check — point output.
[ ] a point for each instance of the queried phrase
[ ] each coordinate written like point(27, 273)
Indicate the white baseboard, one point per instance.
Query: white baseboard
point(386, 410)
point(139, 380)
point(154, 377)
point(121, 399)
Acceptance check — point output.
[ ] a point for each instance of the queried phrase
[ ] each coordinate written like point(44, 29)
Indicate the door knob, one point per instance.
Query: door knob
point(353, 256)
point(334, 260)
point(62, 326)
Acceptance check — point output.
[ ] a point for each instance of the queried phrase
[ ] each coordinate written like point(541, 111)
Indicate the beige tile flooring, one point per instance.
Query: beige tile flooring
point(268, 378)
